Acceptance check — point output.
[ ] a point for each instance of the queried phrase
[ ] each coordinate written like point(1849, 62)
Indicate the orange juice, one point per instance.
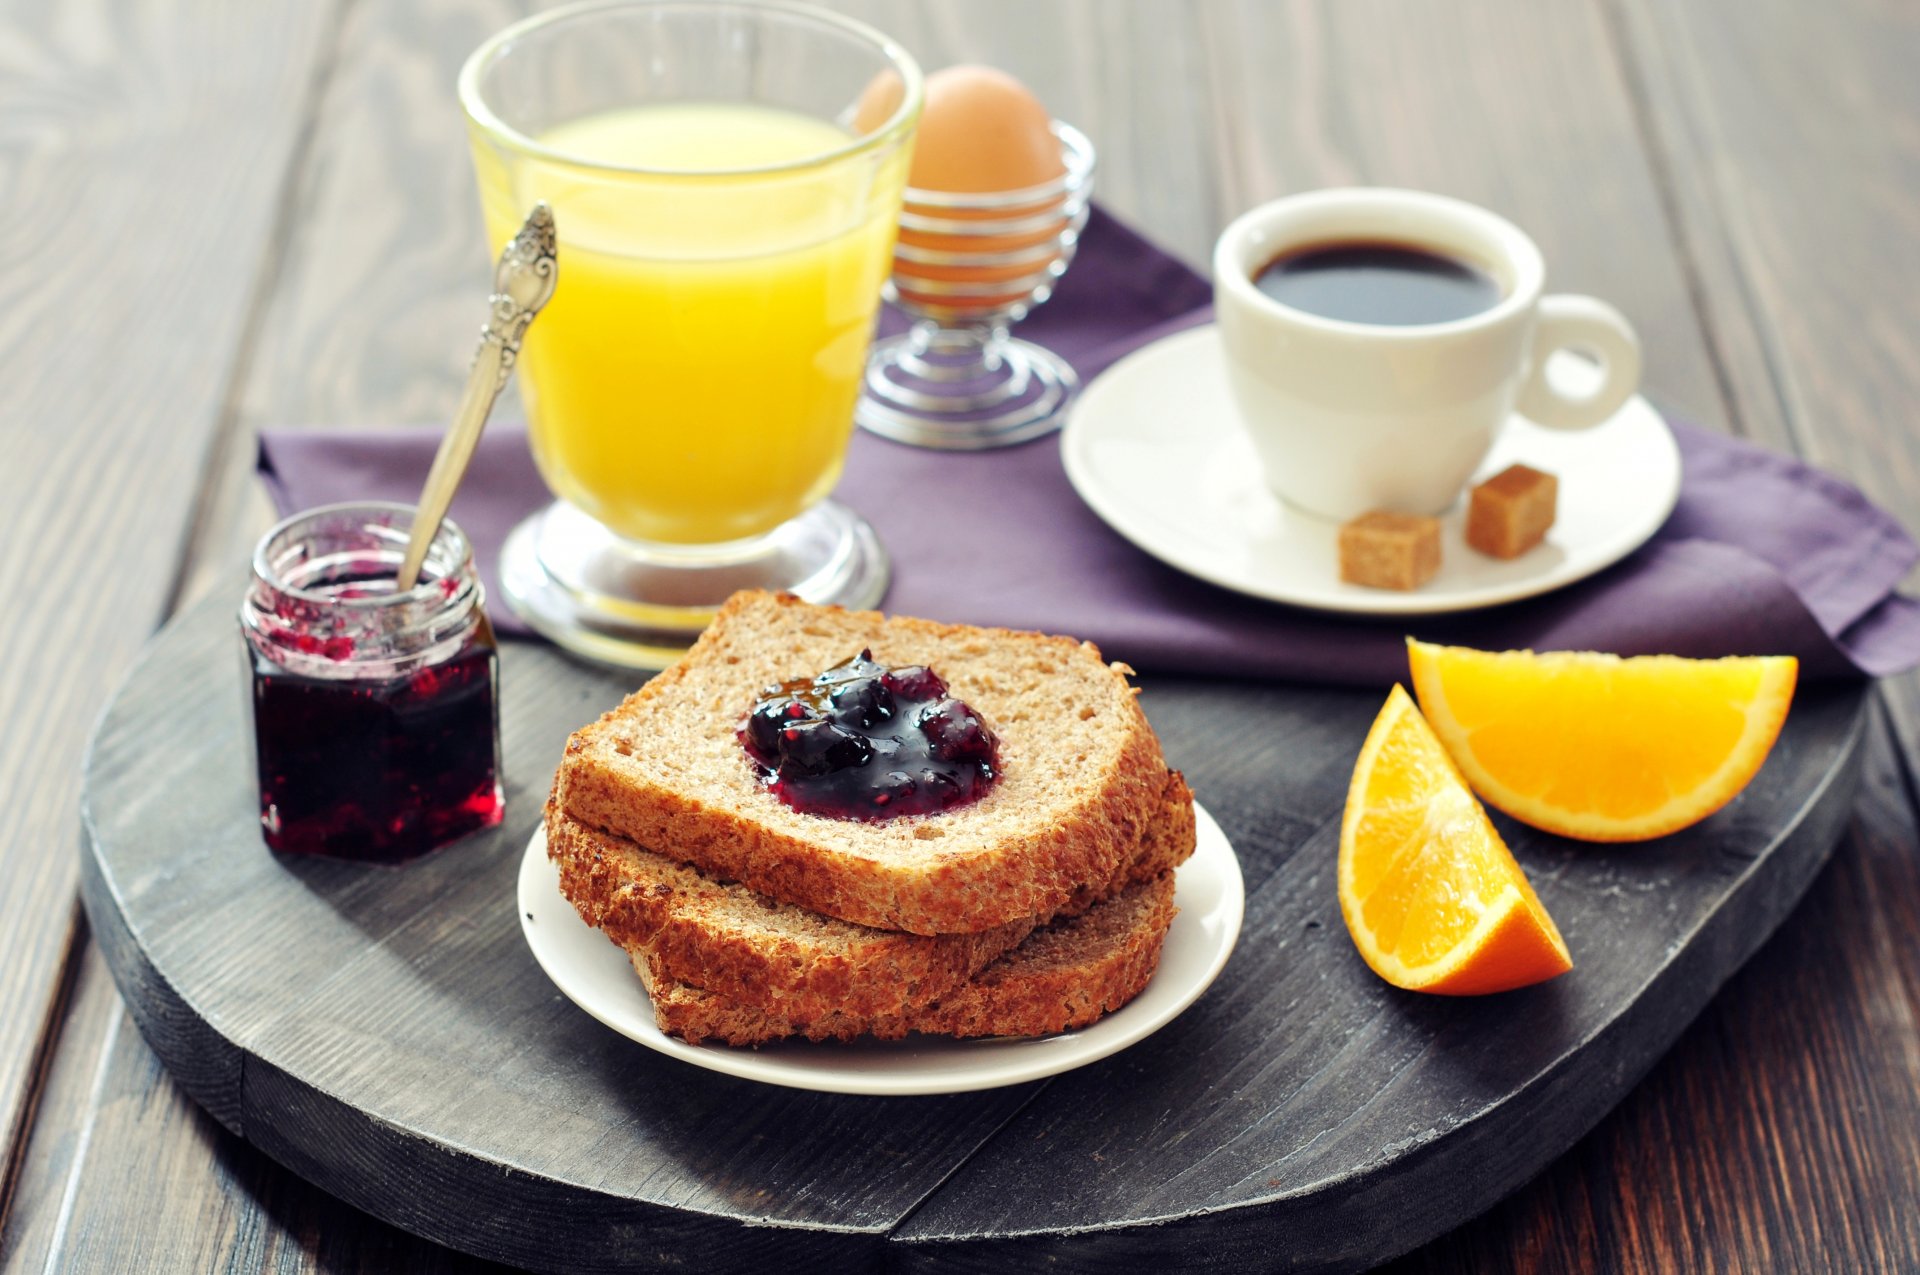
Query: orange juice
point(693, 379)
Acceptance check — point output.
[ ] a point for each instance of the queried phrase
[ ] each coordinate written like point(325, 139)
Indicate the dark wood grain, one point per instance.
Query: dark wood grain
point(1783, 1132)
point(142, 155)
point(56, 1148)
point(349, 1020)
point(205, 1201)
point(1801, 204)
point(1643, 144)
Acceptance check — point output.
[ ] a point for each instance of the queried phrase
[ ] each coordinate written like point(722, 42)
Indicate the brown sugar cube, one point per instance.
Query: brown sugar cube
point(1389, 551)
point(1510, 512)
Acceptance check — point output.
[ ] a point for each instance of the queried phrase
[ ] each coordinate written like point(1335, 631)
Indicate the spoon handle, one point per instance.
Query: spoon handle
point(523, 281)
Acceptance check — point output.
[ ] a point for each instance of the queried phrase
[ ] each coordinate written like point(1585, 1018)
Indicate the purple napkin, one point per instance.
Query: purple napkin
point(1763, 555)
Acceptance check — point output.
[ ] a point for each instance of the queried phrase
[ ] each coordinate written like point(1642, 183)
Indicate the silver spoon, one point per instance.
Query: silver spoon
point(522, 282)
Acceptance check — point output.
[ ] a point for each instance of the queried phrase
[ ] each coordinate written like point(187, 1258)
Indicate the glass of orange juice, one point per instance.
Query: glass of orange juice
point(724, 235)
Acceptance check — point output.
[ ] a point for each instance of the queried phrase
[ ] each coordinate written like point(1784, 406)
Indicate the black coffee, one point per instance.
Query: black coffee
point(1395, 284)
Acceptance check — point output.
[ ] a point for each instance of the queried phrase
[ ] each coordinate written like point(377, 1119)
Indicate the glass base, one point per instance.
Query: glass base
point(963, 390)
point(640, 605)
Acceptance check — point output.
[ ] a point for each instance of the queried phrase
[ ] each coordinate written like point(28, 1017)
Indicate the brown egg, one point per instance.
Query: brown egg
point(981, 132)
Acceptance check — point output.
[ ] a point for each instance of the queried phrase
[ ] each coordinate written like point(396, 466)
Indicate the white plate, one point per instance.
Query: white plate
point(1154, 446)
point(596, 976)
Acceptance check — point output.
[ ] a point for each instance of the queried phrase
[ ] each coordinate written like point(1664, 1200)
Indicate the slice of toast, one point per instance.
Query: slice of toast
point(758, 952)
point(1064, 976)
point(1080, 772)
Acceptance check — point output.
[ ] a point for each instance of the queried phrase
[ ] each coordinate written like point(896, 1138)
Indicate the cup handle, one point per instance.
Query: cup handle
point(1589, 326)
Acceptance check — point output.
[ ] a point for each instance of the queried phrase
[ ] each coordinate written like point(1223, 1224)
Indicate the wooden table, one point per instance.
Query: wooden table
point(227, 215)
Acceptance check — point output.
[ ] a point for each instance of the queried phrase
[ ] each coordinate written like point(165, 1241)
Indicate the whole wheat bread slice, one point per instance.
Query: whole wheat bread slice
point(1064, 976)
point(757, 952)
point(1081, 772)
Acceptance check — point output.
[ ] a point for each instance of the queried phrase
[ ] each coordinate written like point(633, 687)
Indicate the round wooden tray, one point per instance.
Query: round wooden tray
point(385, 1033)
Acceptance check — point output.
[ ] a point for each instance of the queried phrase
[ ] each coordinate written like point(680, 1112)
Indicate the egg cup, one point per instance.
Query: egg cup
point(966, 268)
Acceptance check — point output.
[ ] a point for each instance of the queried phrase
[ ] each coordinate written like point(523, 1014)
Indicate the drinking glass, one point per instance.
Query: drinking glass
point(724, 235)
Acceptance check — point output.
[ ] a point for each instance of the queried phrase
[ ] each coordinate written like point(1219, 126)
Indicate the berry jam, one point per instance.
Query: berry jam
point(375, 715)
point(376, 770)
point(863, 741)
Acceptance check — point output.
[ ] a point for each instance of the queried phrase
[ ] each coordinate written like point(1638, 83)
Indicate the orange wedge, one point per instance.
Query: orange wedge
point(1431, 895)
point(1599, 747)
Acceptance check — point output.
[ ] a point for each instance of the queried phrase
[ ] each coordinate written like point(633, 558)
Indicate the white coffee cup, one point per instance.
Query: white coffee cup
point(1351, 417)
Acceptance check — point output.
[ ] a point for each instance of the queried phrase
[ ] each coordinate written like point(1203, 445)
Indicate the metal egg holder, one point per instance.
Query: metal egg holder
point(957, 379)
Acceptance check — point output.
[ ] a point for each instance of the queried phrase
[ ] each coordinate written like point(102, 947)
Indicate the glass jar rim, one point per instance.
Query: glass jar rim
point(458, 551)
point(481, 113)
point(295, 614)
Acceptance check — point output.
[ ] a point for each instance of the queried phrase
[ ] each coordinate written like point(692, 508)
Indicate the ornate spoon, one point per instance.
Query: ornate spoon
point(522, 282)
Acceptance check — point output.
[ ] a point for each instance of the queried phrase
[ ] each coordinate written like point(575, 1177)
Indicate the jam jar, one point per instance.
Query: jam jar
point(375, 712)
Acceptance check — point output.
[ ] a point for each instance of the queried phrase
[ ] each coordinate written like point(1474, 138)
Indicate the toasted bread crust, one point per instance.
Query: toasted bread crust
point(1017, 996)
point(648, 902)
point(1168, 842)
point(761, 954)
point(1064, 976)
point(964, 871)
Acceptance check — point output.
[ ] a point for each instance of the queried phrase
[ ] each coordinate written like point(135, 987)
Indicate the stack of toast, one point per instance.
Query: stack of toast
point(1035, 909)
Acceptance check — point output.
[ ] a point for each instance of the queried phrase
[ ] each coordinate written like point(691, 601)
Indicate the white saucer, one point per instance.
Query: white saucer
point(596, 976)
point(1153, 446)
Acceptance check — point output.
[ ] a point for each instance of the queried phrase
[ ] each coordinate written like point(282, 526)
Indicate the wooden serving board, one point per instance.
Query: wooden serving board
point(385, 1033)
